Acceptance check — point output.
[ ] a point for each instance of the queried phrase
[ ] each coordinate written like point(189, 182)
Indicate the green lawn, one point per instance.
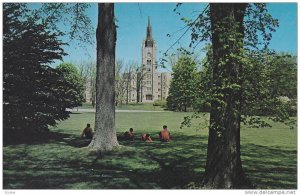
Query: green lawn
point(61, 160)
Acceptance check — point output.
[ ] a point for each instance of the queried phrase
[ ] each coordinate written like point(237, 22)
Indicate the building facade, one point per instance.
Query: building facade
point(147, 84)
point(154, 84)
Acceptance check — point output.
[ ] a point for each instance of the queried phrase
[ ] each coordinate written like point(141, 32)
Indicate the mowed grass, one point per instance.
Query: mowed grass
point(62, 160)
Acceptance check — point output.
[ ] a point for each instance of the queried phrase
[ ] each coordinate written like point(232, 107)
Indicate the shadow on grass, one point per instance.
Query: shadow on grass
point(59, 162)
point(50, 164)
point(44, 138)
point(31, 138)
point(269, 167)
point(176, 160)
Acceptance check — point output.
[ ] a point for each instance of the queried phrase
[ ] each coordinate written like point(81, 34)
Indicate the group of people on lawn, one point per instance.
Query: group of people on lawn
point(164, 135)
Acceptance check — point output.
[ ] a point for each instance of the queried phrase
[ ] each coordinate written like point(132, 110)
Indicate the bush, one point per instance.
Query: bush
point(161, 103)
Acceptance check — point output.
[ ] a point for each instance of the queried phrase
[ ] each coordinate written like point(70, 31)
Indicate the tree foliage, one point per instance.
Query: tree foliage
point(73, 84)
point(34, 93)
point(258, 26)
point(267, 78)
point(237, 84)
point(283, 74)
point(223, 164)
point(264, 75)
point(183, 87)
point(69, 19)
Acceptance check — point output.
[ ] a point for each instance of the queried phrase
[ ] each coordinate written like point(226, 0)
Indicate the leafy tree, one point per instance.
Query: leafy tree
point(203, 103)
point(263, 74)
point(260, 96)
point(283, 74)
point(33, 91)
point(223, 166)
point(74, 89)
point(233, 30)
point(183, 87)
point(105, 137)
point(68, 19)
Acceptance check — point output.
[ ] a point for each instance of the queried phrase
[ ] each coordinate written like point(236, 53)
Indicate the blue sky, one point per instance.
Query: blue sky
point(132, 22)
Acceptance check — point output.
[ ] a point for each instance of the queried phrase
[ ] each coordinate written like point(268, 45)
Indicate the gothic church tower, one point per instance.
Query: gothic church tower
point(149, 86)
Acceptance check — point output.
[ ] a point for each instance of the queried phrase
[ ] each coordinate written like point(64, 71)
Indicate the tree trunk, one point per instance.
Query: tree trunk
point(105, 138)
point(141, 90)
point(130, 98)
point(137, 87)
point(127, 94)
point(223, 166)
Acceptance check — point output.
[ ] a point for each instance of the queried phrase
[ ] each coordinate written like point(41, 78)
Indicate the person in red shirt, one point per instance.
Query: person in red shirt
point(146, 138)
point(129, 135)
point(165, 135)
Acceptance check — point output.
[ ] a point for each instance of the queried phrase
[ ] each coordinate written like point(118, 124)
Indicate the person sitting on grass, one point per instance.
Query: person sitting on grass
point(129, 135)
point(165, 135)
point(87, 132)
point(146, 138)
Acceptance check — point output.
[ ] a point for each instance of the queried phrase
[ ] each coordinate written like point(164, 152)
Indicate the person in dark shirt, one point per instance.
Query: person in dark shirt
point(87, 132)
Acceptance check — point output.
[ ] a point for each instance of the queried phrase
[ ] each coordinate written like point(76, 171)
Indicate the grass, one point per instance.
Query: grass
point(61, 160)
point(86, 105)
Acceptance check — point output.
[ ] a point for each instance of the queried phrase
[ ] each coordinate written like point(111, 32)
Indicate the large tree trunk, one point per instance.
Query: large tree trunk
point(223, 166)
point(105, 138)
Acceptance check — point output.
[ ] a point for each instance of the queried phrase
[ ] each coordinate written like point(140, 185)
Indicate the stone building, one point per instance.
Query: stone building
point(154, 84)
point(147, 85)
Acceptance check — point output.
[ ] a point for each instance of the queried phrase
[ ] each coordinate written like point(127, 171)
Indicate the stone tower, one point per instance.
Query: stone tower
point(149, 66)
point(150, 84)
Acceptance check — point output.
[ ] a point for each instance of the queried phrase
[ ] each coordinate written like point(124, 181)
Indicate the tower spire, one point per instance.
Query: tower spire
point(149, 40)
point(149, 21)
point(149, 30)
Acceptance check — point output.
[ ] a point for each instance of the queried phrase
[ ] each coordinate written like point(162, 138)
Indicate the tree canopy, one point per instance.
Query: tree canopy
point(237, 82)
point(34, 93)
point(74, 90)
point(183, 87)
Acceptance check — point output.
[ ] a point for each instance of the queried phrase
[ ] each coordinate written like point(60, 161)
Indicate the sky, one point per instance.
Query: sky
point(132, 22)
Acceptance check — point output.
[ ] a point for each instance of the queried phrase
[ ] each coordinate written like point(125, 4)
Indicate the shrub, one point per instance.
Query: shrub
point(161, 103)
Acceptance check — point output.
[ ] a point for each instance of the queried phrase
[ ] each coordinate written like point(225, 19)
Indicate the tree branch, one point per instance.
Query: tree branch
point(189, 26)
